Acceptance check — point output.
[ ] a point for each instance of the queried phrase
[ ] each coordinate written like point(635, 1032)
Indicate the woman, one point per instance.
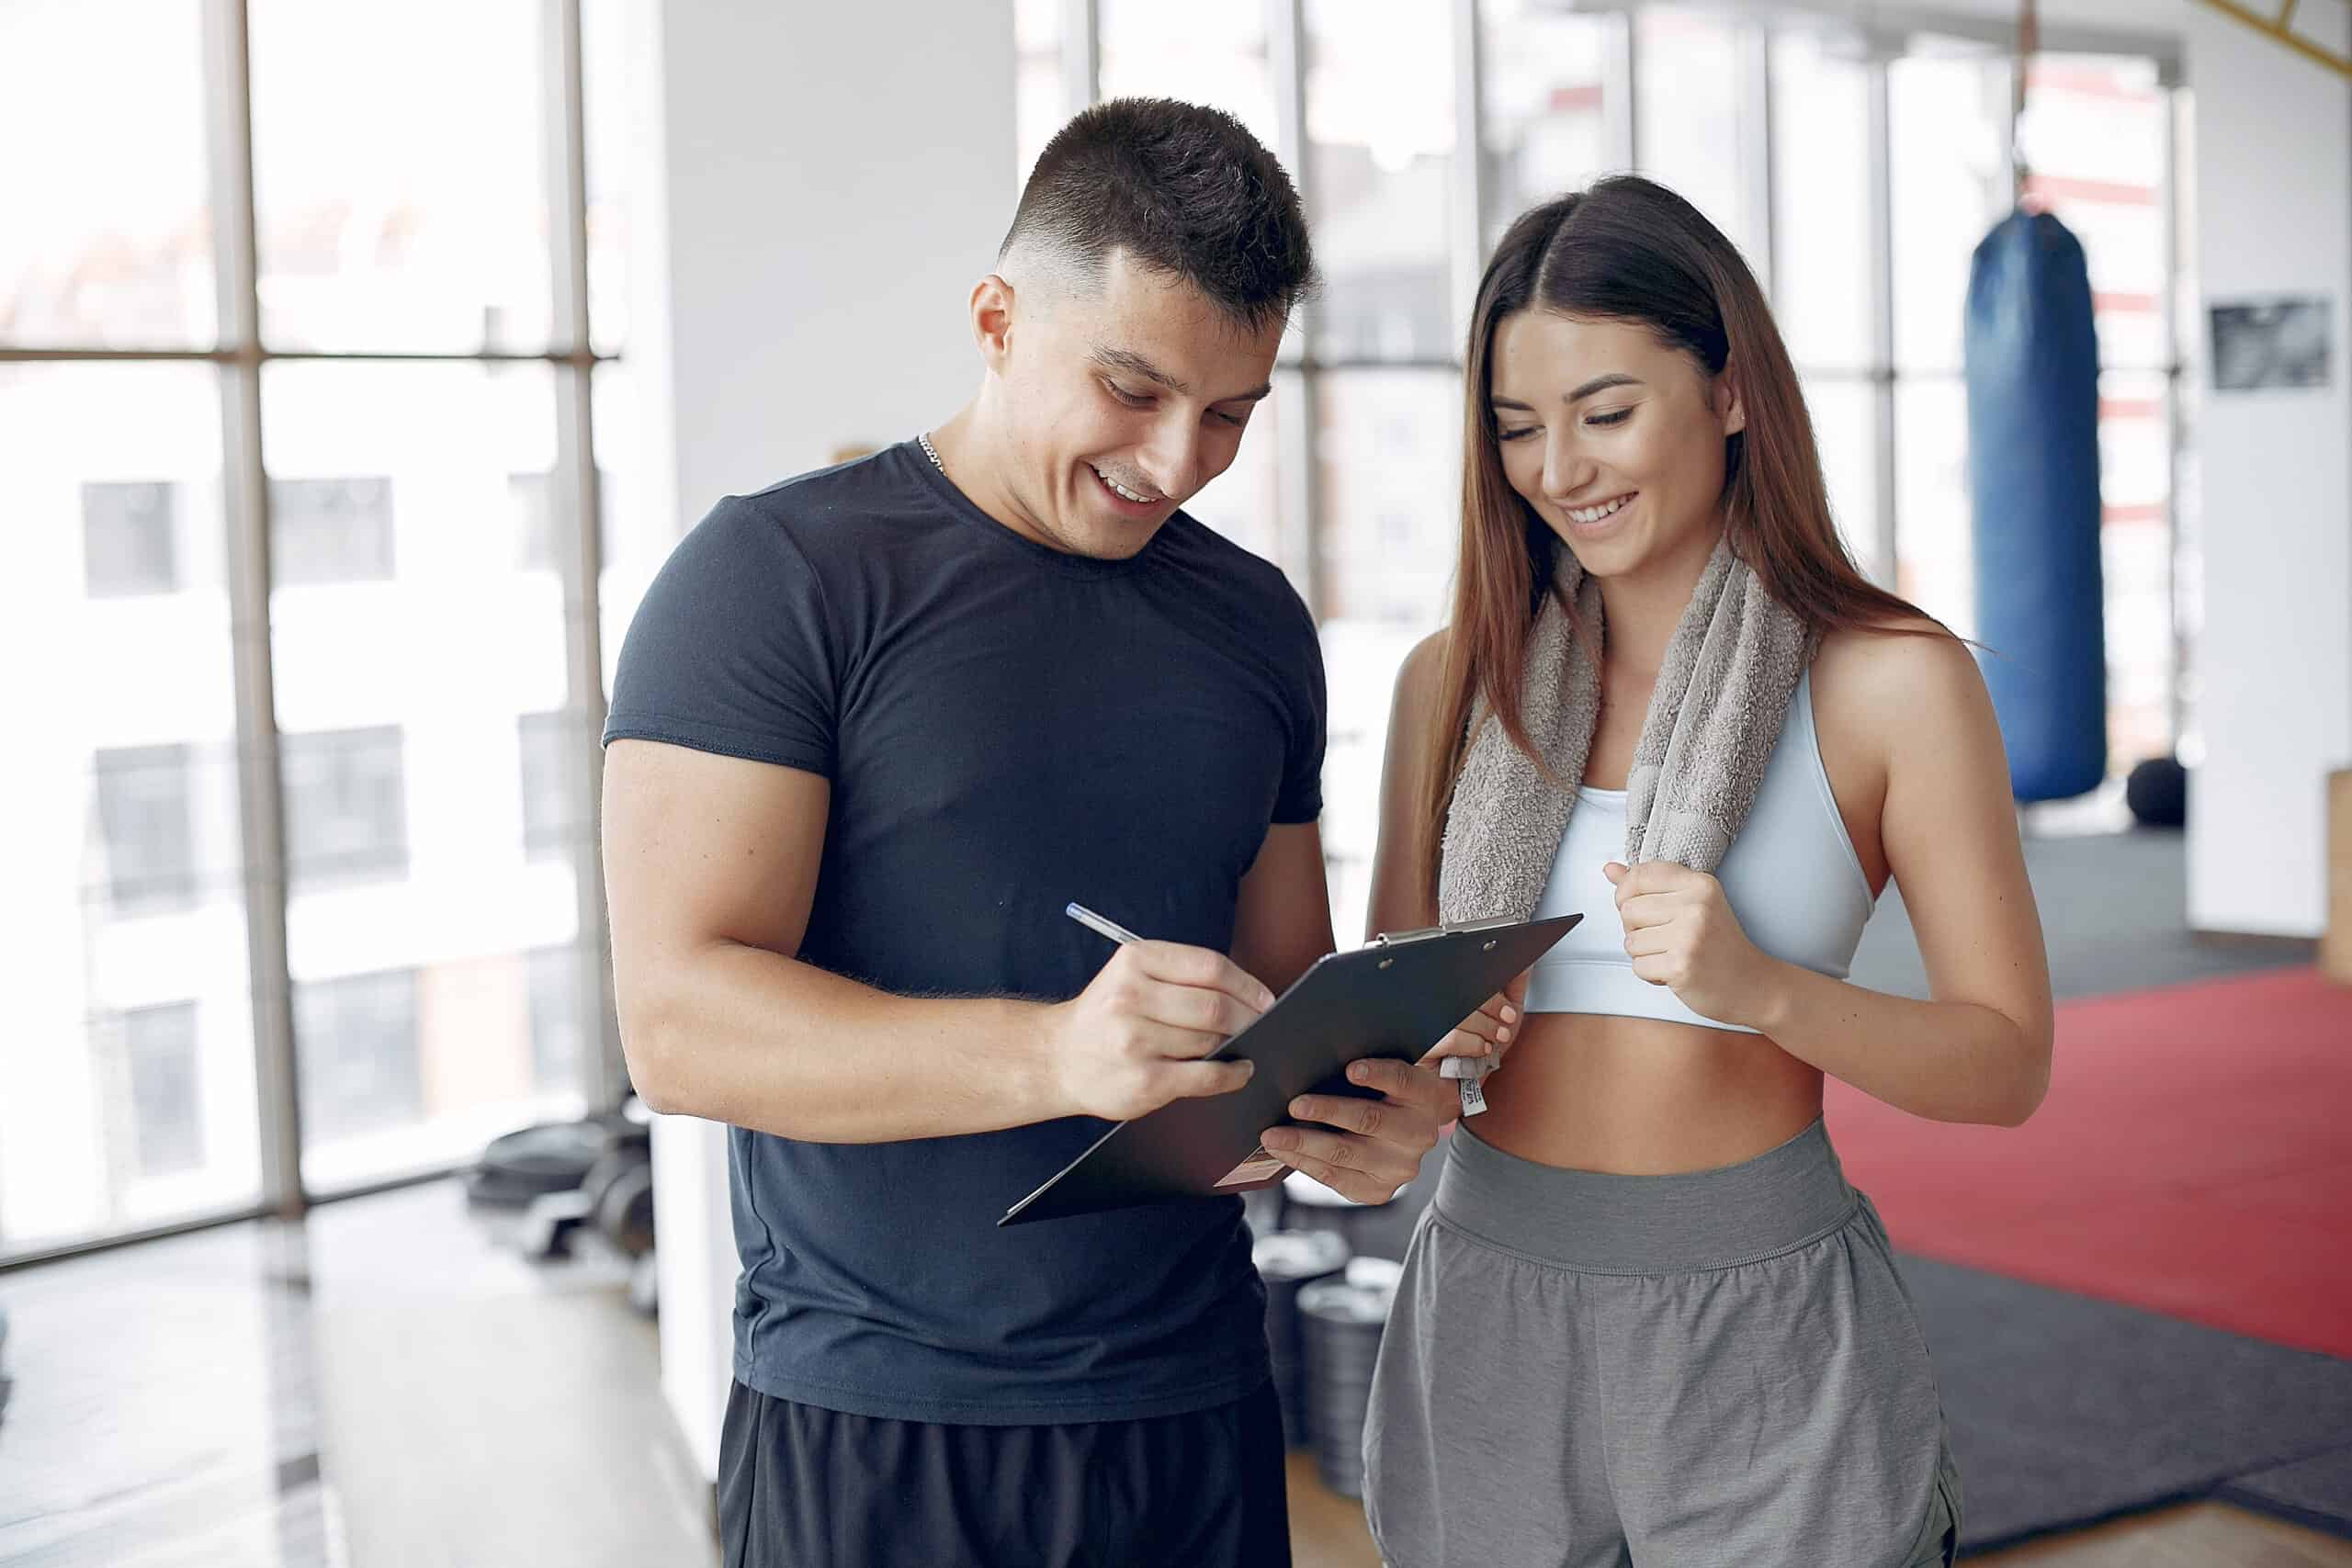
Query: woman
point(1645, 1319)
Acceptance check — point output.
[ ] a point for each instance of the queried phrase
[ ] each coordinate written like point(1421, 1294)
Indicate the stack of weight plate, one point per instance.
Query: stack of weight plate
point(1341, 1320)
point(1289, 1261)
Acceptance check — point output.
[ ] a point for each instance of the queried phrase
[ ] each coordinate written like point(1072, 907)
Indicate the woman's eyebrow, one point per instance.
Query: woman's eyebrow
point(1597, 384)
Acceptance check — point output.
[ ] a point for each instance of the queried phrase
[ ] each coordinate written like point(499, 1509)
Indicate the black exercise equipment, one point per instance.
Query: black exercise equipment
point(1288, 1261)
point(2157, 793)
point(551, 1157)
point(1341, 1319)
point(564, 1177)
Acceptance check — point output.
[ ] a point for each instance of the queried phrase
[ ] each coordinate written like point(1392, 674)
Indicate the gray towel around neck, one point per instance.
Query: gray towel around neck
point(1722, 696)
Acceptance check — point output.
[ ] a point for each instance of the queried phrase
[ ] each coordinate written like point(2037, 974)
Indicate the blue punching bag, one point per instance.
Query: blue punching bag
point(2033, 365)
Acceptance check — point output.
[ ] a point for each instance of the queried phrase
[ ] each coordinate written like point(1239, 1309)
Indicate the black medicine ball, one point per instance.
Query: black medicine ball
point(2157, 793)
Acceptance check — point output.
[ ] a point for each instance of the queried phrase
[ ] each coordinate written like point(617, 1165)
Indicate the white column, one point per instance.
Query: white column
point(2274, 662)
point(821, 183)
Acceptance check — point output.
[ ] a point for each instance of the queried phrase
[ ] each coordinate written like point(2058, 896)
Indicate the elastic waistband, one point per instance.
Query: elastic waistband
point(1603, 1223)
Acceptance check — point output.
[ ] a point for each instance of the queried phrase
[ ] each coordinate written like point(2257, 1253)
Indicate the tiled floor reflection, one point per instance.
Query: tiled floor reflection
point(388, 1384)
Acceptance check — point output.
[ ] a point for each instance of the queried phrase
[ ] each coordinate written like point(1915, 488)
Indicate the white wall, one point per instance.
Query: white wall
point(2274, 665)
point(837, 178)
point(822, 185)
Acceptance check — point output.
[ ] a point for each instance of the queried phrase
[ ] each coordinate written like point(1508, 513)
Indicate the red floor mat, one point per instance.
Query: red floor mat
point(2194, 1158)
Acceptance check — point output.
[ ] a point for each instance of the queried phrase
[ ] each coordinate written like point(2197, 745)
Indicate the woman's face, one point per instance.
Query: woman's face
point(1615, 439)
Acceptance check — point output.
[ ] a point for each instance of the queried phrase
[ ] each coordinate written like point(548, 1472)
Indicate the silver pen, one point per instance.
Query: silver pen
point(1094, 922)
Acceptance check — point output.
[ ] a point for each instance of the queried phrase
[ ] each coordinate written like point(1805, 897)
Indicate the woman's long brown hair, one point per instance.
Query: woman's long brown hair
point(1627, 249)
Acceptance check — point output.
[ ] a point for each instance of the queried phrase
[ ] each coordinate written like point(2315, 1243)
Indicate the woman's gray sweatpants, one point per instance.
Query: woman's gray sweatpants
point(1584, 1370)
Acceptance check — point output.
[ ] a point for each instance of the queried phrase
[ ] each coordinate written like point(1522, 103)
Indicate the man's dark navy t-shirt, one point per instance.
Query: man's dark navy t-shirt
point(1006, 728)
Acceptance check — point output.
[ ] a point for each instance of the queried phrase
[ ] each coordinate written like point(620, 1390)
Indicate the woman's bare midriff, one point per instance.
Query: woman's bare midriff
point(1641, 1096)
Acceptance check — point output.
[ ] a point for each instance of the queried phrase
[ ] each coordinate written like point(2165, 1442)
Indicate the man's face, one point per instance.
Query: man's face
point(1120, 402)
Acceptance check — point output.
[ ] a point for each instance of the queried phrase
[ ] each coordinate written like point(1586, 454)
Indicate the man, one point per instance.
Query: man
point(873, 727)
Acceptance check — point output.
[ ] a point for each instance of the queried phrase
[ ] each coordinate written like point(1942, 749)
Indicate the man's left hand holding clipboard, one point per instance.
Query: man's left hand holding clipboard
point(1373, 1145)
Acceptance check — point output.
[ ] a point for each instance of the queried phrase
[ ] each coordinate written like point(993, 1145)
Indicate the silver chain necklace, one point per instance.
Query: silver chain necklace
point(923, 437)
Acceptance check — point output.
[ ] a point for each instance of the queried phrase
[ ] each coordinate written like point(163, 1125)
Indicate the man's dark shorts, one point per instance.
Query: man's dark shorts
point(804, 1488)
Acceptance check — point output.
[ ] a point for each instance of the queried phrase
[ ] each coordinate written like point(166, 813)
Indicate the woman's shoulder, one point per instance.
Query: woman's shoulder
point(1424, 661)
point(1894, 678)
point(1418, 683)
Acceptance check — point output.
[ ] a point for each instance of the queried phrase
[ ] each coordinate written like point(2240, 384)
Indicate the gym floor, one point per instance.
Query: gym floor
point(389, 1383)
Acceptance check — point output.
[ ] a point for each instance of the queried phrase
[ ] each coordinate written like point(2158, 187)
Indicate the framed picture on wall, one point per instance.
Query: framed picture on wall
point(2272, 343)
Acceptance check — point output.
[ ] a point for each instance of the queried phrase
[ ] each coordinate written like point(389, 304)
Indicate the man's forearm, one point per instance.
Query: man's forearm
point(742, 1036)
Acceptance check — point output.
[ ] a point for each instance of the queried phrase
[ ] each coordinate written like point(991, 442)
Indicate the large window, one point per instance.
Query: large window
point(1822, 270)
point(307, 628)
point(1856, 169)
point(109, 240)
point(124, 843)
point(1210, 52)
point(1379, 161)
point(392, 217)
point(1556, 108)
point(2099, 140)
point(1695, 119)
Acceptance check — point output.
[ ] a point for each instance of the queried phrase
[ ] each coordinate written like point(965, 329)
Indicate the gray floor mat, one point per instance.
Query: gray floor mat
point(2066, 1410)
point(2315, 1492)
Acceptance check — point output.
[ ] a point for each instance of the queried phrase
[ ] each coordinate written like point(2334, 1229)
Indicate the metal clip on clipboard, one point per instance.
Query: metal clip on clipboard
point(1399, 939)
point(1469, 1070)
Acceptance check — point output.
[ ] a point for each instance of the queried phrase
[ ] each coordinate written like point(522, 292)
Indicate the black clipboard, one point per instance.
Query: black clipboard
point(1395, 997)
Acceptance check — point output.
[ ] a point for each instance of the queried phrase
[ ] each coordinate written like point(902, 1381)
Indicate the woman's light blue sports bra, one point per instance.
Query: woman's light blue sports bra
point(1791, 876)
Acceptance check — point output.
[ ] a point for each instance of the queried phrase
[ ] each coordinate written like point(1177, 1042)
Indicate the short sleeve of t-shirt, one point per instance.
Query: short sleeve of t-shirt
point(733, 649)
point(1301, 799)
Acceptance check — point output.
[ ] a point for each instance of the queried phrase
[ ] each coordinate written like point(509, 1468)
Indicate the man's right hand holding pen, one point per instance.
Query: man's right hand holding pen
point(1134, 1038)
point(1138, 1035)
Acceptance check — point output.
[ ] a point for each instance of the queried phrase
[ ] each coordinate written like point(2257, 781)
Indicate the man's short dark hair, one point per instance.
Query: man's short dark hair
point(1184, 189)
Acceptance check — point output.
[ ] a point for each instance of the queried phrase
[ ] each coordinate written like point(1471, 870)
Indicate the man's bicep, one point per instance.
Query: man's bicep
point(1281, 924)
point(701, 848)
